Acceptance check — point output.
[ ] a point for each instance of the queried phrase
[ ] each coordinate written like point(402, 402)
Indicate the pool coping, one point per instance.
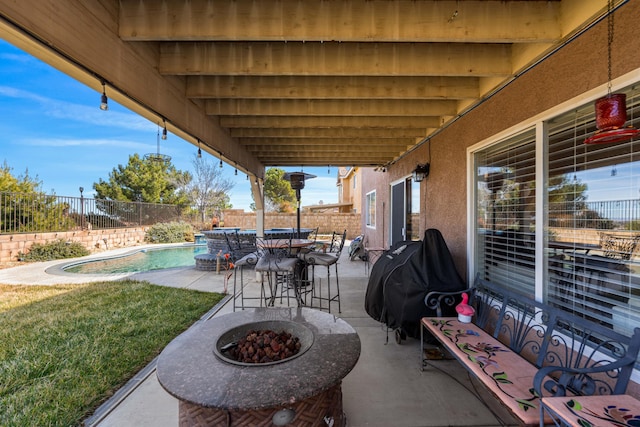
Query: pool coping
point(58, 269)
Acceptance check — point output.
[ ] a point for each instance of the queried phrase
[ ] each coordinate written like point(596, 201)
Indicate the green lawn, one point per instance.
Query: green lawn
point(65, 349)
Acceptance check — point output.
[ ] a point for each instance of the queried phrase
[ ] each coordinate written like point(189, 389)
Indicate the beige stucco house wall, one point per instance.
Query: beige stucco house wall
point(579, 66)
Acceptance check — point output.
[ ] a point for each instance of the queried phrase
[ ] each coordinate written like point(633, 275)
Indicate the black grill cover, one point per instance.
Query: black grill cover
point(403, 276)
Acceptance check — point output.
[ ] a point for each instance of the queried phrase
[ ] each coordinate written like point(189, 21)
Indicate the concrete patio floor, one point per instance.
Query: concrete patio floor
point(387, 387)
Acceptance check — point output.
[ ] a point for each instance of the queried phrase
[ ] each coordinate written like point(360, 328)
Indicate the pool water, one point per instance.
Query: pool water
point(143, 260)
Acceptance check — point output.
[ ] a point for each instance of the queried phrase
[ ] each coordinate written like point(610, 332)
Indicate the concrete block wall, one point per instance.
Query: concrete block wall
point(11, 245)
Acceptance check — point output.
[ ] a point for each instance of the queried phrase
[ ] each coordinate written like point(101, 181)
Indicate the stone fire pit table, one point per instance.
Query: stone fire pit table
point(302, 391)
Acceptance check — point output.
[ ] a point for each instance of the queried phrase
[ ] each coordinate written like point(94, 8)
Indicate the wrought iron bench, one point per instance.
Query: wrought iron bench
point(521, 349)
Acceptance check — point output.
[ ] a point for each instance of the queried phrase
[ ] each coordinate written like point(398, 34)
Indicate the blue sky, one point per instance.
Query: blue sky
point(53, 127)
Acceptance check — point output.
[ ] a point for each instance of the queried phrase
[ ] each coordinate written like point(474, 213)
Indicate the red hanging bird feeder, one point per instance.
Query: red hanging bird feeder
point(611, 110)
point(611, 115)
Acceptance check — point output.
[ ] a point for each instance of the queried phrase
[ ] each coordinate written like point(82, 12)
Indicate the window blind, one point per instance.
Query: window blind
point(594, 219)
point(505, 212)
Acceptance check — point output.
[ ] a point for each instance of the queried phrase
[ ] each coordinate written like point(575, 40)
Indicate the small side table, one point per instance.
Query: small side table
point(578, 411)
point(372, 255)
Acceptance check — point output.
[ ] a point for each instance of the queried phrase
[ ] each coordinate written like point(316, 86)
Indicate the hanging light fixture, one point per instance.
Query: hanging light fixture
point(157, 157)
point(221, 164)
point(104, 101)
point(164, 129)
point(611, 110)
point(199, 150)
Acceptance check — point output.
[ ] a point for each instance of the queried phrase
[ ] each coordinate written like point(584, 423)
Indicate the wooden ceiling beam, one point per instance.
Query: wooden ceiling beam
point(334, 143)
point(354, 20)
point(337, 132)
point(334, 87)
point(373, 122)
point(328, 107)
point(335, 59)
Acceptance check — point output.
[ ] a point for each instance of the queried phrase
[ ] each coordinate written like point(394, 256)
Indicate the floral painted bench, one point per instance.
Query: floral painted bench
point(521, 349)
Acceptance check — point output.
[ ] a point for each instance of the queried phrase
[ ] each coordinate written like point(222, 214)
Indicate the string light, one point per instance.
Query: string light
point(104, 101)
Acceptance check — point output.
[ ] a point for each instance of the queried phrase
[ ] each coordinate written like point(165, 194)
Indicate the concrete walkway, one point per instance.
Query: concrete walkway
point(387, 387)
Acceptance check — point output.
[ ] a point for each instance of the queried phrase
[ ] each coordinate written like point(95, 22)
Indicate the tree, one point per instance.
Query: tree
point(27, 208)
point(20, 184)
point(208, 189)
point(278, 194)
point(144, 180)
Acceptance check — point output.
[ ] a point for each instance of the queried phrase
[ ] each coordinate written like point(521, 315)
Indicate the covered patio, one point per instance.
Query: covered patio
point(473, 88)
point(386, 388)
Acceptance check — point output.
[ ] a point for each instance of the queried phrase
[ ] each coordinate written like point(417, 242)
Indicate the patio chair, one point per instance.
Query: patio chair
point(617, 251)
point(247, 262)
point(326, 259)
point(313, 239)
point(233, 244)
point(278, 266)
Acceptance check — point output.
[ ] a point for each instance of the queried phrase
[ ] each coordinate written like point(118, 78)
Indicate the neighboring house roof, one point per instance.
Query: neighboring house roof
point(325, 207)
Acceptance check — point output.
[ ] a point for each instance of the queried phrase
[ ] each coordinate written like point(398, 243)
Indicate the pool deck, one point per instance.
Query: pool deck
point(386, 388)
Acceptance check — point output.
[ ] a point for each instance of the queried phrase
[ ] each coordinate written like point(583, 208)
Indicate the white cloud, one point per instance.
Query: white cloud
point(91, 115)
point(81, 142)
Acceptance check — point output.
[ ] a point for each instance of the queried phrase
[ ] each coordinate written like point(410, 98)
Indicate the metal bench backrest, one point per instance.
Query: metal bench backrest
point(546, 335)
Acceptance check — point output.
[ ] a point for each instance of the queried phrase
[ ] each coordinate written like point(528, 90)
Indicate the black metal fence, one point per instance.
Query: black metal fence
point(604, 215)
point(40, 213)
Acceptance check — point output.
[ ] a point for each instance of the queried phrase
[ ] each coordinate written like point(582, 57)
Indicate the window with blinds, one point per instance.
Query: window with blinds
point(593, 267)
point(505, 212)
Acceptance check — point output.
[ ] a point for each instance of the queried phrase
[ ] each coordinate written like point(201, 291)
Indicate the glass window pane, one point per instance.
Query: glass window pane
point(505, 212)
point(594, 220)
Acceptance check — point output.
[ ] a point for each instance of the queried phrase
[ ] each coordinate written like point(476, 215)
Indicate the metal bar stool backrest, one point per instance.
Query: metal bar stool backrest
point(233, 244)
point(337, 242)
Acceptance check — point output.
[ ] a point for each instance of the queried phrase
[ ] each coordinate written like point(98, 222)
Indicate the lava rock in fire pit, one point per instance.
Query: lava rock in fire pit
point(265, 346)
point(263, 343)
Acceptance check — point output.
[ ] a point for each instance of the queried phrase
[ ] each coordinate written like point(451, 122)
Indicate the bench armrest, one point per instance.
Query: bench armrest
point(435, 300)
point(578, 380)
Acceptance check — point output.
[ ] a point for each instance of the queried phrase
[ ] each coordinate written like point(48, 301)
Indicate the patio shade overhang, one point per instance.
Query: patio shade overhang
point(297, 83)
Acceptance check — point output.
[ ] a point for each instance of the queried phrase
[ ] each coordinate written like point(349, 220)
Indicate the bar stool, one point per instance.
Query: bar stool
point(326, 259)
point(279, 267)
point(248, 261)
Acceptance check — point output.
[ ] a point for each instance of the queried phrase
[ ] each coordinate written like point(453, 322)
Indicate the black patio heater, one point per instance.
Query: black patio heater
point(297, 179)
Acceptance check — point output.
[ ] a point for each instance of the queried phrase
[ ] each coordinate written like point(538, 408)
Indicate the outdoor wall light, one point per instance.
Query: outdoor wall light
point(104, 101)
point(421, 172)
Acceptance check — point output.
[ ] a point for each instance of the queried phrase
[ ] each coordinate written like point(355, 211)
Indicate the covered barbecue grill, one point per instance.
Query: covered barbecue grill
point(403, 276)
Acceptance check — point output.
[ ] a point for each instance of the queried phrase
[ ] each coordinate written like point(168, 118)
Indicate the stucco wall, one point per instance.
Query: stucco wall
point(579, 66)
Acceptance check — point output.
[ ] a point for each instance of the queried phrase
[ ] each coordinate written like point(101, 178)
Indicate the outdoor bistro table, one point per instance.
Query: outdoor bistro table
point(214, 391)
point(296, 244)
point(300, 273)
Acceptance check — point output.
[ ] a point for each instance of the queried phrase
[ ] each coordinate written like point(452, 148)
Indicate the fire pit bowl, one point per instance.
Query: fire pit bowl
point(213, 390)
point(235, 334)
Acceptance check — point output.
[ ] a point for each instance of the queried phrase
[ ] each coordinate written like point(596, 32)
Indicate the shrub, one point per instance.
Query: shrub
point(57, 249)
point(170, 232)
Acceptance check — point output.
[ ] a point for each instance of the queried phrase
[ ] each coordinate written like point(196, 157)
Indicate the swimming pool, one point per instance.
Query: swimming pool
point(142, 260)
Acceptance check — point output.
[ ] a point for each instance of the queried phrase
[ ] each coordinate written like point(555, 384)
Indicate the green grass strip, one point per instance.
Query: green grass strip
point(65, 349)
